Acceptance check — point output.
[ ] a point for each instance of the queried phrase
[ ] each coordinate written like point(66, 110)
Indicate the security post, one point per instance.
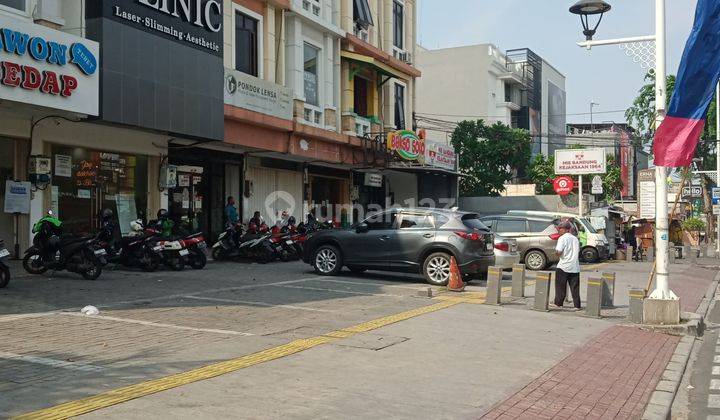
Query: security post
point(542, 291)
point(594, 297)
point(518, 281)
point(629, 254)
point(494, 290)
point(635, 314)
point(608, 295)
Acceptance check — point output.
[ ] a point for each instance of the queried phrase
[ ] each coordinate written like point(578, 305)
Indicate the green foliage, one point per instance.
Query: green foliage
point(489, 155)
point(693, 224)
point(541, 172)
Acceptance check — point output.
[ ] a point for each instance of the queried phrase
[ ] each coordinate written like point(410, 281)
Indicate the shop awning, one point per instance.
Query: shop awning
point(379, 66)
point(363, 15)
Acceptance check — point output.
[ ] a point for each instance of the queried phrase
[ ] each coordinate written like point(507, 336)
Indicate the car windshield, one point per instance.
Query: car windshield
point(586, 223)
point(473, 222)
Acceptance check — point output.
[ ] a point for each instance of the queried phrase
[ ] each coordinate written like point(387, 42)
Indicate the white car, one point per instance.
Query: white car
point(506, 252)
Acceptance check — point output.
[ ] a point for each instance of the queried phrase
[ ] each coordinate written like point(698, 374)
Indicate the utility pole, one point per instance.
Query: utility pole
point(717, 161)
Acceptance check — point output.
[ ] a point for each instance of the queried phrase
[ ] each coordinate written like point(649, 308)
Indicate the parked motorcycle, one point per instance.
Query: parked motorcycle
point(51, 250)
point(4, 269)
point(195, 246)
point(138, 249)
point(227, 246)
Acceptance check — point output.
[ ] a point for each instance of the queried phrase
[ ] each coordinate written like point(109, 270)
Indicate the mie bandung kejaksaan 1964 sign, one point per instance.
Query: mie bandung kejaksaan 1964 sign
point(580, 161)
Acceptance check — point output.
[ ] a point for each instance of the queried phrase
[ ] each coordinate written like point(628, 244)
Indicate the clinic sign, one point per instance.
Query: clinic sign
point(580, 161)
point(44, 67)
point(406, 145)
point(195, 23)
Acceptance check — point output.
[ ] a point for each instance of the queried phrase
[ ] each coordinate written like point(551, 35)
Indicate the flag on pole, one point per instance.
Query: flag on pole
point(677, 136)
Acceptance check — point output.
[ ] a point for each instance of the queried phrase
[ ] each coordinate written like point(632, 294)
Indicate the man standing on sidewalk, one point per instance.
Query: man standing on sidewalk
point(568, 268)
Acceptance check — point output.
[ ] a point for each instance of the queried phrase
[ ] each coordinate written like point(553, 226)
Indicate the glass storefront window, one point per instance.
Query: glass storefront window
point(87, 181)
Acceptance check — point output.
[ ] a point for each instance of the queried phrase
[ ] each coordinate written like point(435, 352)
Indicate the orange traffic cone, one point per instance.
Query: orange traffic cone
point(455, 283)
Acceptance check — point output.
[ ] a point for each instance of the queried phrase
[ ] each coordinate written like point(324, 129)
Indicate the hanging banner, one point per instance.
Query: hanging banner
point(406, 145)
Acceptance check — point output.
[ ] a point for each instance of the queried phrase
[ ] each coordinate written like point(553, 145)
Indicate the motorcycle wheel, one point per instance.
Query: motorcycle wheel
point(217, 254)
point(30, 263)
point(284, 256)
point(93, 271)
point(150, 262)
point(4, 275)
point(175, 262)
point(199, 260)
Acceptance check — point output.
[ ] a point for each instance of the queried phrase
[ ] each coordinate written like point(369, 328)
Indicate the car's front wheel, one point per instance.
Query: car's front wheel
point(436, 268)
point(536, 260)
point(327, 260)
point(589, 254)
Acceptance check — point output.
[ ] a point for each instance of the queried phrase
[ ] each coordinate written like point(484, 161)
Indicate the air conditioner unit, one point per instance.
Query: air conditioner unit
point(405, 57)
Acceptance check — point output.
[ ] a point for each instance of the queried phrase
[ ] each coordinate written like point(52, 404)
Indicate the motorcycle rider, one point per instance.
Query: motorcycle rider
point(109, 230)
point(50, 229)
point(165, 224)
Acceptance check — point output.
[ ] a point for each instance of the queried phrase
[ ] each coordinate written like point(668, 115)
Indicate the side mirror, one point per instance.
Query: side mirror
point(362, 228)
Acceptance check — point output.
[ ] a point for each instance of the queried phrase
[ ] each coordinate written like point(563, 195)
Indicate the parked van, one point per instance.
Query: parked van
point(536, 237)
point(593, 245)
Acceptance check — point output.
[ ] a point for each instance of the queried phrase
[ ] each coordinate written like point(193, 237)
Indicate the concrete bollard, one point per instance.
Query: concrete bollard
point(494, 286)
point(542, 291)
point(518, 281)
point(608, 295)
point(594, 297)
point(704, 251)
point(629, 254)
point(671, 255)
point(692, 255)
point(635, 313)
point(651, 254)
point(685, 252)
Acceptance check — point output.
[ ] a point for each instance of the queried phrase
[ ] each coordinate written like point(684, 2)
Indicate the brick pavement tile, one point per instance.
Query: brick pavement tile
point(605, 377)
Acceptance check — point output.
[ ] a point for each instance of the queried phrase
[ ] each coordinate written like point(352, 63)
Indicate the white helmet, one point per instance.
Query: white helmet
point(136, 225)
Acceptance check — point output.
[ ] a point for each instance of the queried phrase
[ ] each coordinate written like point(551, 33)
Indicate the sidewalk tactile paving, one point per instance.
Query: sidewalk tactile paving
point(612, 376)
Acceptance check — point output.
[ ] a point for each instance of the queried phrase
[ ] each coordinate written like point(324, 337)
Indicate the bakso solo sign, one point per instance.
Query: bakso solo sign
point(45, 67)
point(580, 161)
point(406, 145)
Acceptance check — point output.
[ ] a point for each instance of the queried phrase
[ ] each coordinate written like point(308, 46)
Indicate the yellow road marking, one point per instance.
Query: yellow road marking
point(131, 392)
point(124, 394)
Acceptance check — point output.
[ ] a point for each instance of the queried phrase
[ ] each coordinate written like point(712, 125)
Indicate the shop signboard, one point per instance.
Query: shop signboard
point(406, 145)
point(647, 199)
point(716, 192)
point(249, 92)
point(63, 166)
point(597, 185)
point(440, 155)
point(563, 185)
point(163, 68)
point(373, 180)
point(195, 23)
point(580, 161)
point(694, 191)
point(44, 67)
point(17, 197)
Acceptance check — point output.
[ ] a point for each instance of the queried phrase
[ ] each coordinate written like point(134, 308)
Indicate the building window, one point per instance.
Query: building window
point(246, 44)
point(311, 54)
point(14, 4)
point(399, 106)
point(362, 14)
point(312, 6)
point(361, 96)
point(508, 92)
point(398, 25)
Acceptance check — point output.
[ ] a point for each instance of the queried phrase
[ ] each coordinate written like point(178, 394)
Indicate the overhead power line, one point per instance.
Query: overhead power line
point(505, 116)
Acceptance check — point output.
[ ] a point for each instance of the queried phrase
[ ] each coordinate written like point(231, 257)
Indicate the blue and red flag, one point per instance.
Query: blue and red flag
point(678, 135)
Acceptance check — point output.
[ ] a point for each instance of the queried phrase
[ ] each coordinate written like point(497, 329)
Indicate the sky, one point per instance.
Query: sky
point(604, 75)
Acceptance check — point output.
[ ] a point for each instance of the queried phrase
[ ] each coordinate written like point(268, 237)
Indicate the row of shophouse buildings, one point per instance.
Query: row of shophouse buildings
point(138, 105)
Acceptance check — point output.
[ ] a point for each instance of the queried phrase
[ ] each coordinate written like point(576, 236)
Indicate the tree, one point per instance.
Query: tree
point(489, 156)
point(542, 171)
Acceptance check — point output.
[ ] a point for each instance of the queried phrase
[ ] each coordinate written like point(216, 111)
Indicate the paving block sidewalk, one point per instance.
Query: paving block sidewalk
point(611, 377)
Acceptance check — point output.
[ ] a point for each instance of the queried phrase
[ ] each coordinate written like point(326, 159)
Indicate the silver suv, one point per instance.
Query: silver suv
point(536, 237)
point(418, 240)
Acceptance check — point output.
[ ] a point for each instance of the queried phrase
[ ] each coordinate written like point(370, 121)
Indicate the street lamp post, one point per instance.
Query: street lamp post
point(586, 8)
